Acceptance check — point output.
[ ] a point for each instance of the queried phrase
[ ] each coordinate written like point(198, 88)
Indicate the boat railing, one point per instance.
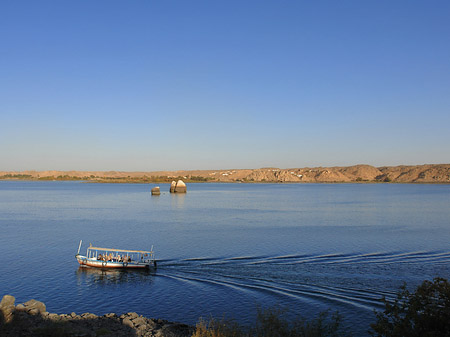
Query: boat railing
point(120, 255)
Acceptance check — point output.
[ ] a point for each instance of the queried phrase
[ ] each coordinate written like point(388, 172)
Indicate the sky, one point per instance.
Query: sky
point(172, 85)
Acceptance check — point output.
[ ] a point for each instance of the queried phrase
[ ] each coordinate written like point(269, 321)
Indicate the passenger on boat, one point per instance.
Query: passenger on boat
point(100, 257)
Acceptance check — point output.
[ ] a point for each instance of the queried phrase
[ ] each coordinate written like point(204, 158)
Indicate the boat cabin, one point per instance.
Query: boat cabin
point(116, 258)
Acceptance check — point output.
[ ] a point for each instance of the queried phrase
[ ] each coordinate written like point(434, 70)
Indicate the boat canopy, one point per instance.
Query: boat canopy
point(120, 250)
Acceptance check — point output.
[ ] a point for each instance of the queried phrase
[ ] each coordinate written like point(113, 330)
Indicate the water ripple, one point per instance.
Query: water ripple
point(238, 273)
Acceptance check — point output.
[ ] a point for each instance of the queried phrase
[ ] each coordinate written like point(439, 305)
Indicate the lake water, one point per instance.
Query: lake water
point(224, 249)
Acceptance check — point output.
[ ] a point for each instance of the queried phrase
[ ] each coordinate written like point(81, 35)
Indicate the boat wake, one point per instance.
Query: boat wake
point(352, 281)
point(335, 258)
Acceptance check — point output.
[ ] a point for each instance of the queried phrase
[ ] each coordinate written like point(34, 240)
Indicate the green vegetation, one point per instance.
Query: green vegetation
point(53, 329)
point(102, 332)
point(216, 328)
point(151, 179)
point(196, 178)
point(423, 313)
point(92, 178)
point(17, 176)
point(272, 322)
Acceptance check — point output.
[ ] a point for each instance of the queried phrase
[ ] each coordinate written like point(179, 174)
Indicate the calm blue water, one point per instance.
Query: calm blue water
point(224, 249)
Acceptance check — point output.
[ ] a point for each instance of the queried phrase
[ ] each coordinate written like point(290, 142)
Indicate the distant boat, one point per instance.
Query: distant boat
point(116, 258)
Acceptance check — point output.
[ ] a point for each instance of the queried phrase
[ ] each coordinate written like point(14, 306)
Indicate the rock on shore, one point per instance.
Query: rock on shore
point(31, 318)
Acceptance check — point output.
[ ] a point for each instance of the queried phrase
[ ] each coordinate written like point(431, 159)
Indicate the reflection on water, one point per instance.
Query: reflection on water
point(86, 275)
point(177, 200)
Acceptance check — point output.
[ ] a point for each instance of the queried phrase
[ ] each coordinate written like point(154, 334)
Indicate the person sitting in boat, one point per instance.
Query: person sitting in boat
point(100, 257)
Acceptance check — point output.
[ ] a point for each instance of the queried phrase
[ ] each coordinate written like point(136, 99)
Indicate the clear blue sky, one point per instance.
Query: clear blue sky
point(165, 85)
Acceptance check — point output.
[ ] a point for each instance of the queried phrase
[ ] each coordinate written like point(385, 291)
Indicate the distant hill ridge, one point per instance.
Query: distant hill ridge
point(429, 173)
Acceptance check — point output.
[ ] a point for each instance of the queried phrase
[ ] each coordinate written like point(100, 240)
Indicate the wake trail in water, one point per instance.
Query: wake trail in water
point(297, 292)
point(335, 258)
point(279, 276)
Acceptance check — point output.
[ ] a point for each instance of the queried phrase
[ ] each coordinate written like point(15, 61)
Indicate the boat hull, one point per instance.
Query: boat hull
point(90, 262)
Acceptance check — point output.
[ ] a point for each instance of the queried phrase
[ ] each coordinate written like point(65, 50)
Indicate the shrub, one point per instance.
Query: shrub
point(216, 328)
point(58, 329)
point(425, 312)
point(272, 322)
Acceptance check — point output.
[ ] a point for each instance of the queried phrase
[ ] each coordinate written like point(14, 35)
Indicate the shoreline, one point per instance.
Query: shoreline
point(373, 182)
point(32, 318)
point(419, 174)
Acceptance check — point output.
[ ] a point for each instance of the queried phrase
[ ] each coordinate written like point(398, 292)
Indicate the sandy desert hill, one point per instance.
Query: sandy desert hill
point(430, 173)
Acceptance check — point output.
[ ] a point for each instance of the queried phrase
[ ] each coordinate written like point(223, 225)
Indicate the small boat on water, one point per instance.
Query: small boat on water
point(116, 258)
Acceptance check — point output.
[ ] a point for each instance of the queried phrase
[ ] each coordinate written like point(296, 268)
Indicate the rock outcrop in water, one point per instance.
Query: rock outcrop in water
point(178, 187)
point(31, 318)
point(156, 190)
point(181, 187)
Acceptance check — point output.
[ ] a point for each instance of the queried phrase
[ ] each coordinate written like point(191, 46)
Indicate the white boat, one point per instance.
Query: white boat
point(116, 258)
